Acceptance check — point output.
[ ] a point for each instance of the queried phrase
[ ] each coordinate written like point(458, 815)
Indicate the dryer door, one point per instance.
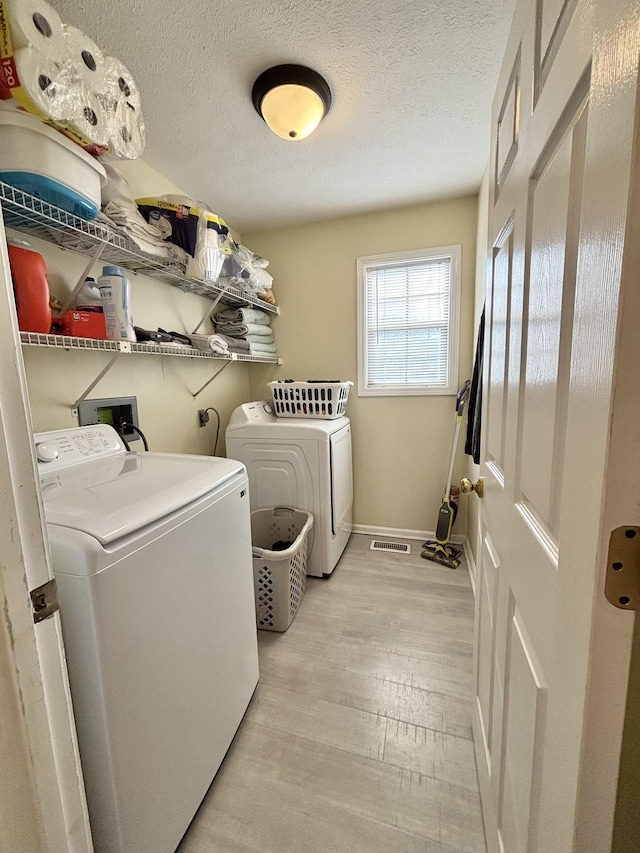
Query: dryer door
point(341, 481)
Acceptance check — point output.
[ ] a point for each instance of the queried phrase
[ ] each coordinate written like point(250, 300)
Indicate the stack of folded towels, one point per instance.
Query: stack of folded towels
point(120, 211)
point(246, 330)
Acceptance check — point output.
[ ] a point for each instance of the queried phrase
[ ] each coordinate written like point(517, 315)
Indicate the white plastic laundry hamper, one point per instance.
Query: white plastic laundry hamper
point(279, 576)
point(327, 400)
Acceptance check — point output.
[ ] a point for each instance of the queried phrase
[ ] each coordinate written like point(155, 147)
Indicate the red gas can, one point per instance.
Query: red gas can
point(31, 289)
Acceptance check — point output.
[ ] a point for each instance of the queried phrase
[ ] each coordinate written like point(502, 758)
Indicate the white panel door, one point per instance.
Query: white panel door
point(549, 710)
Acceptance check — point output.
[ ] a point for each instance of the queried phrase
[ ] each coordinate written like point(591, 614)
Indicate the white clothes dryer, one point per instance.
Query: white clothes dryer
point(152, 558)
point(301, 462)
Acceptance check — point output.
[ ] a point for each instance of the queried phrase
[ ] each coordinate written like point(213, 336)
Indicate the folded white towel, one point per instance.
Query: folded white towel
point(149, 243)
point(210, 343)
point(119, 206)
point(262, 349)
point(240, 330)
point(253, 349)
point(243, 315)
point(236, 344)
point(259, 339)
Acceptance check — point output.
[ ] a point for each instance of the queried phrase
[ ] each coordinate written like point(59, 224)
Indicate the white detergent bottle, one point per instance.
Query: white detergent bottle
point(89, 299)
point(115, 292)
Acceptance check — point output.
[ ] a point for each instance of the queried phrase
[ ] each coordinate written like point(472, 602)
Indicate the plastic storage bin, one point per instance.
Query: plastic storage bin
point(326, 400)
point(41, 161)
point(279, 576)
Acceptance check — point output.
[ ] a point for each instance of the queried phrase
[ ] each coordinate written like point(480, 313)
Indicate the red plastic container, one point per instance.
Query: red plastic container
point(83, 324)
point(31, 289)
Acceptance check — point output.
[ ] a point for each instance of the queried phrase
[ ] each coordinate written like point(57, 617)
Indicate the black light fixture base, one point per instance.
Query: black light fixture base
point(290, 75)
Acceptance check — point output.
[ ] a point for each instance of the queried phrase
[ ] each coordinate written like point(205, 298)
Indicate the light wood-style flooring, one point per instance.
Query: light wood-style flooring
point(358, 738)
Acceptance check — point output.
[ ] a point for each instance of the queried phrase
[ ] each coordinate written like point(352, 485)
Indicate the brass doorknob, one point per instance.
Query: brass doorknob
point(466, 487)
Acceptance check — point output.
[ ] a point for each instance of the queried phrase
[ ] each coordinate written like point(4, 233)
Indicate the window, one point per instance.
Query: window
point(408, 322)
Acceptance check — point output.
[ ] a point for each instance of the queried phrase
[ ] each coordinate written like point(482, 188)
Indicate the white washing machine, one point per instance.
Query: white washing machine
point(300, 462)
point(152, 558)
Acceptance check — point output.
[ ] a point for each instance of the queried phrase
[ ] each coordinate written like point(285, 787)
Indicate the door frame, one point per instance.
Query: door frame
point(44, 805)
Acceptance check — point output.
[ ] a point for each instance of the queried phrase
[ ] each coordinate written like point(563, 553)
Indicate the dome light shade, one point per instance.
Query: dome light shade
point(292, 112)
point(292, 100)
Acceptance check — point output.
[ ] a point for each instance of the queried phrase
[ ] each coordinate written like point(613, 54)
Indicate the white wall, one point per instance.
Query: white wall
point(401, 444)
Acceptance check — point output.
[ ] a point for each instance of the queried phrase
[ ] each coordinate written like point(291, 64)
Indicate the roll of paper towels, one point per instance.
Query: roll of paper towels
point(88, 61)
point(34, 22)
point(128, 135)
point(60, 75)
point(120, 83)
point(90, 119)
point(42, 83)
point(59, 96)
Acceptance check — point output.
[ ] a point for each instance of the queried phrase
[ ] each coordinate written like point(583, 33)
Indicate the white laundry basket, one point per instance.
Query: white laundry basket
point(326, 400)
point(279, 576)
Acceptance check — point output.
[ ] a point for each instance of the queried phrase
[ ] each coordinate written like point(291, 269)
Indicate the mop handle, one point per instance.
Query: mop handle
point(461, 399)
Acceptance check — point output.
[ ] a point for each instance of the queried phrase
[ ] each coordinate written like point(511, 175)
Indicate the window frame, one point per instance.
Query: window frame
point(454, 253)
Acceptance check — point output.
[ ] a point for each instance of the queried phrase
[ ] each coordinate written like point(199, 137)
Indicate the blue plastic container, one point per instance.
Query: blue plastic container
point(52, 192)
point(41, 161)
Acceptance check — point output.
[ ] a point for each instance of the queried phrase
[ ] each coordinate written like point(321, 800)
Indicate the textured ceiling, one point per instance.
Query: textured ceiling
point(412, 85)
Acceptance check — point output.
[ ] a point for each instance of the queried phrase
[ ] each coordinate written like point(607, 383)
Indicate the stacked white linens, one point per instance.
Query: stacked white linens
point(146, 237)
point(235, 344)
point(210, 343)
point(119, 207)
point(258, 348)
point(243, 315)
point(246, 330)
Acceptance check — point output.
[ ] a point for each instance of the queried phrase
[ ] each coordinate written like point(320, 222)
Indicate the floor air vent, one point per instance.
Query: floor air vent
point(397, 547)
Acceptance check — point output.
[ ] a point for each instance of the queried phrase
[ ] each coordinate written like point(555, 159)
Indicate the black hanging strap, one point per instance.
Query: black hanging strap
point(474, 411)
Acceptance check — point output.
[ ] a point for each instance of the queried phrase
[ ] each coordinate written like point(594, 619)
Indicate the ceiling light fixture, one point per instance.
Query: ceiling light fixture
point(292, 99)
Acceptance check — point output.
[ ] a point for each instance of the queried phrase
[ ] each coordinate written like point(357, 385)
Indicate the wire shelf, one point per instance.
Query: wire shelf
point(40, 219)
point(37, 339)
point(66, 342)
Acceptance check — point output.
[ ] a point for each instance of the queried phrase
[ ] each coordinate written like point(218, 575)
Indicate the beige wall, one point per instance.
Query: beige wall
point(143, 179)
point(401, 444)
point(164, 386)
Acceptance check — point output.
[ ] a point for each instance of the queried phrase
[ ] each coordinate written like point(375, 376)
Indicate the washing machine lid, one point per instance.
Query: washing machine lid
point(256, 420)
point(117, 496)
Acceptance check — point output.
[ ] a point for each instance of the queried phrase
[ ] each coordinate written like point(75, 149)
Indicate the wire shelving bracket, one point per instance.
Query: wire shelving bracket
point(118, 348)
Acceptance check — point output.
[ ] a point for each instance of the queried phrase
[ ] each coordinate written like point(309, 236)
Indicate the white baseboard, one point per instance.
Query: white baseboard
point(471, 564)
point(400, 533)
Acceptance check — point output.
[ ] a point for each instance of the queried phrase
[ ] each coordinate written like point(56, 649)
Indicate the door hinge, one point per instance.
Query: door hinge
point(622, 585)
point(44, 600)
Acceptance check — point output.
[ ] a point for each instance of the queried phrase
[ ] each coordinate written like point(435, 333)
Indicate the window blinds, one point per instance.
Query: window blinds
point(407, 317)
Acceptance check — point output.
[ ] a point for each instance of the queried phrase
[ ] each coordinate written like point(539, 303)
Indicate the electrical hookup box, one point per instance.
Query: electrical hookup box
point(113, 411)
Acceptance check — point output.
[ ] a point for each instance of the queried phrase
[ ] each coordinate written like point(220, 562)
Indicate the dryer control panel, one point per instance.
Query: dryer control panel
point(66, 447)
point(251, 413)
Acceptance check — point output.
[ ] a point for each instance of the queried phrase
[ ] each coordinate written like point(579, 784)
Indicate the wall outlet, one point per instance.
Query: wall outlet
point(110, 410)
point(203, 417)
